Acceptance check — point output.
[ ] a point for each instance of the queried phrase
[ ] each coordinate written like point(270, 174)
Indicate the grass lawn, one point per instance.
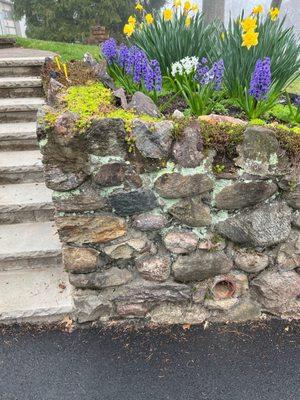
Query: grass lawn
point(67, 51)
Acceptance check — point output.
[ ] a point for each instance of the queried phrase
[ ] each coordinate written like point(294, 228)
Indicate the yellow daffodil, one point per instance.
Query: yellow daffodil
point(139, 7)
point(188, 21)
point(132, 20)
point(274, 13)
point(258, 9)
point(195, 8)
point(168, 14)
point(128, 29)
point(177, 3)
point(250, 39)
point(149, 19)
point(249, 24)
point(187, 6)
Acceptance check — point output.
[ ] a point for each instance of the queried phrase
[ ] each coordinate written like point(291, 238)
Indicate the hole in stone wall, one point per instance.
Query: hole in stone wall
point(224, 289)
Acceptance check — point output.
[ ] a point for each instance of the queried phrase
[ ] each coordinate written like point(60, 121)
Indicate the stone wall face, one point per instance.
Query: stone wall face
point(154, 235)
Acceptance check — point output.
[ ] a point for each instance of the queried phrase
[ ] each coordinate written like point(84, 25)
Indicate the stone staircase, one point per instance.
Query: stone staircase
point(33, 285)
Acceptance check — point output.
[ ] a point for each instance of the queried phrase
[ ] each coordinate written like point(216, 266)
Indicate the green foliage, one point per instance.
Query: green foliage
point(71, 20)
point(170, 41)
point(257, 121)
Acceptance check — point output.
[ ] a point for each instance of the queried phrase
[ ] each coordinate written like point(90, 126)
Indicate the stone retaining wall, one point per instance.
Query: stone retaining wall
point(153, 234)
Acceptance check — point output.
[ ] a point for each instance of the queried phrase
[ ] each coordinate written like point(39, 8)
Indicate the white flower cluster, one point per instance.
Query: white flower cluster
point(185, 66)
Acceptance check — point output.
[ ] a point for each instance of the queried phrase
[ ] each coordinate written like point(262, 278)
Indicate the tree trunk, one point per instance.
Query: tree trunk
point(276, 3)
point(214, 9)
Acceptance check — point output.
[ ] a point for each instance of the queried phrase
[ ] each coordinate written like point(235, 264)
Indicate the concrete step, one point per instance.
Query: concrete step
point(20, 109)
point(18, 87)
point(21, 167)
point(7, 42)
point(18, 136)
point(21, 66)
point(29, 245)
point(34, 295)
point(26, 202)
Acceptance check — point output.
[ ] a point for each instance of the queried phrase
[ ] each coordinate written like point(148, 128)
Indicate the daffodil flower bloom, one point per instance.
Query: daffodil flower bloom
point(274, 13)
point(195, 8)
point(258, 9)
point(139, 7)
point(128, 29)
point(187, 6)
point(177, 3)
point(132, 20)
point(188, 21)
point(149, 19)
point(250, 39)
point(249, 24)
point(168, 14)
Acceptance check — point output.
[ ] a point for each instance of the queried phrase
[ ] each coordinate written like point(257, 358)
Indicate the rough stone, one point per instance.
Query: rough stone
point(80, 260)
point(244, 194)
point(91, 306)
point(106, 137)
point(181, 242)
point(84, 198)
point(188, 149)
point(178, 114)
point(100, 70)
point(143, 104)
point(132, 310)
point(133, 202)
point(101, 280)
point(175, 185)
point(258, 155)
point(278, 292)
point(296, 220)
point(53, 90)
point(168, 314)
point(155, 268)
point(149, 222)
point(251, 262)
point(57, 178)
point(221, 305)
point(246, 309)
point(121, 95)
point(127, 249)
point(263, 227)
point(115, 174)
point(293, 198)
point(214, 119)
point(90, 229)
point(153, 140)
point(201, 265)
point(289, 253)
point(191, 212)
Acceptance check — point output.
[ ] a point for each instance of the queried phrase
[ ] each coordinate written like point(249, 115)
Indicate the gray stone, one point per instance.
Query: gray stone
point(132, 310)
point(54, 89)
point(188, 149)
point(191, 212)
point(278, 292)
point(129, 248)
point(289, 253)
point(246, 309)
point(244, 194)
point(181, 242)
point(133, 202)
point(101, 280)
point(221, 305)
point(169, 314)
point(296, 220)
point(91, 306)
point(106, 137)
point(149, 222)
point(251, 262)
point(258, 155)
point(80, 260)
point(57, 178)
point(265, 226)
point(121, 95)
point(100, 70)
point(153, 140)
point(178, 114)
point(143, 104)
point(154, 268)
point(201, 265)
point(175, 185)
point(116, 174)
point(293, 198)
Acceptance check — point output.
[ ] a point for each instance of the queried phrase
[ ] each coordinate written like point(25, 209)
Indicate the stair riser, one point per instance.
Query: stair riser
point(23, 216)
point(18, 116)
point(18, 145)
point(20, 71)
point(30, 262)
point(19, 92)
point(8, 177)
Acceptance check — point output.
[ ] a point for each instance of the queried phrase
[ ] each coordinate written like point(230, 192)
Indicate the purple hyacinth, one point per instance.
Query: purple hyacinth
point(261, 79)
point(153, 77)
point(218, 70)
point(140, 66)
point(123, 55)
point(202, 71)
point(297, 101)
point(205, 75)
point(109, 50)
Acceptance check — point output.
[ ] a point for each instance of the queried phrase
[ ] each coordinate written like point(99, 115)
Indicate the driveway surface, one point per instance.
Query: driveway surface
point(258, 361)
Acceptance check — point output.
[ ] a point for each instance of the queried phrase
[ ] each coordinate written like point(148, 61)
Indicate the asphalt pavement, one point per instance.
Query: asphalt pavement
point(258, 361)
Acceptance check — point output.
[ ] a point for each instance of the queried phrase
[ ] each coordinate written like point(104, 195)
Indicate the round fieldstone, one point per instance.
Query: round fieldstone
point(155, 268)
point(181, 242)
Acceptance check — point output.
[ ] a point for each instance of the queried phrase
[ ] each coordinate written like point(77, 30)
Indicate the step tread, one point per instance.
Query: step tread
point(21, 130)
point(25, 196)
point(34, 295)
point(21, 160)
point(21, 104)
point(14, 82)
point(34, 240)
point(21, 61)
